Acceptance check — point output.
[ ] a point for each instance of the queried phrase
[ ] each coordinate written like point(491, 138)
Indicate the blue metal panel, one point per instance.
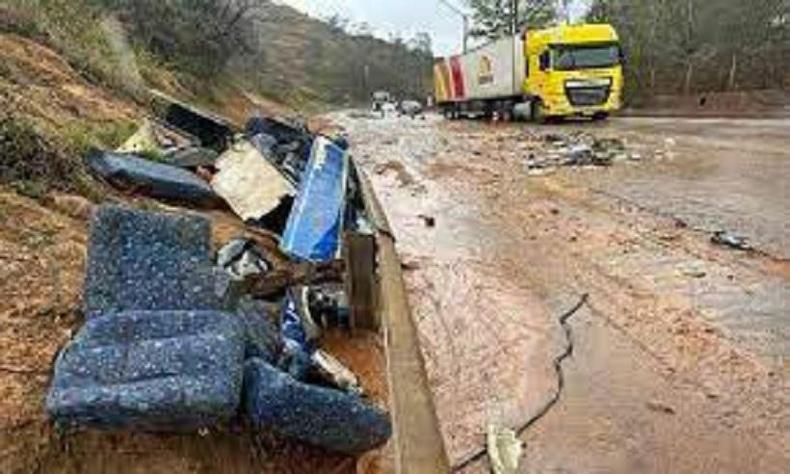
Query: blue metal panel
point(315, 225)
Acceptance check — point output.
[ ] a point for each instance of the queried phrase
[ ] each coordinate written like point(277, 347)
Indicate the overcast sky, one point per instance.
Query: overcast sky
point(402, 17)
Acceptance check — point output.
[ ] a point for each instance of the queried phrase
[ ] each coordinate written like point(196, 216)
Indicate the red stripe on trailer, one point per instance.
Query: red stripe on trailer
point(458, 78)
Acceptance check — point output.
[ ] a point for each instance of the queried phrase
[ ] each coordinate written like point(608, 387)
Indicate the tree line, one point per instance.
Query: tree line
point(261, 45)
point(693, 46)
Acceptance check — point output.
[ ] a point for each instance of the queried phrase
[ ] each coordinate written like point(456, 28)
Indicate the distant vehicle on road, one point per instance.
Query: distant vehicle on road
point(411, 108)
point(562, 71)
point(379, 99)
point(388, 108)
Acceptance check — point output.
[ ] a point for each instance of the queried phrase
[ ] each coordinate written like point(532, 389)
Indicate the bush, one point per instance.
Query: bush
point(34, 165)
point(200, 36)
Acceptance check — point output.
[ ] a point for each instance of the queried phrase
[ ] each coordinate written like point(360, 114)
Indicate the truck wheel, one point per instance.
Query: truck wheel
point(538, 112)
point(506, 112)
point(600, 117)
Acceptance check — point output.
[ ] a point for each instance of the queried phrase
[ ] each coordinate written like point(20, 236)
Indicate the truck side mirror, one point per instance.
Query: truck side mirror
point(545, 62)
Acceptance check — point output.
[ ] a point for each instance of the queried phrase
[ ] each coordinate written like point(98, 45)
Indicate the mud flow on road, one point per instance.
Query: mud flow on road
point(680, 356)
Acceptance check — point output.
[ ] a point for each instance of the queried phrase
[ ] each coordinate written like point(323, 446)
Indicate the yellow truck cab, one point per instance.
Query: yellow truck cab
point(563, 71)
point(574, 70)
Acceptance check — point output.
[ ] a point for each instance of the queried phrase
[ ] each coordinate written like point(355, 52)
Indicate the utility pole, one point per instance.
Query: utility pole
point(516, 42)
point(465, 18)
point(514, 10)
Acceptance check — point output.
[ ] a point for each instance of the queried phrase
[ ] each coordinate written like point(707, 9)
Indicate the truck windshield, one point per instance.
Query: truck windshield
point(572, 57)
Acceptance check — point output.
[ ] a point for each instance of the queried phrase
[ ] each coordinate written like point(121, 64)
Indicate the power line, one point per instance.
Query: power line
point(453, 7)
point(464, 17)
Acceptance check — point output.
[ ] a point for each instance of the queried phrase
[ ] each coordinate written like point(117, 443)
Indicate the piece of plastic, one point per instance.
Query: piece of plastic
point(314, 228)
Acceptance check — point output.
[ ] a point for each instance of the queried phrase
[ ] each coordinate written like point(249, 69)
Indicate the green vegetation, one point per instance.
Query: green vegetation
point(691, 46)
point(34, 165)
point(267, 48)
point(494, 18)
point(79, 138)
point(75, 29)
point(28, 163)
point(673, 46)
point(205, 50)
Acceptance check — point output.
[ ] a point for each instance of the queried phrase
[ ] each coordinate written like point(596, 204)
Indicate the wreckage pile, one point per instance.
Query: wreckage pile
point(178, 339)
point(579, 149)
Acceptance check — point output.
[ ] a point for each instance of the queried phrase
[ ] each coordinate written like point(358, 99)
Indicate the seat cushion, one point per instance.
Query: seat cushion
point(150, 371)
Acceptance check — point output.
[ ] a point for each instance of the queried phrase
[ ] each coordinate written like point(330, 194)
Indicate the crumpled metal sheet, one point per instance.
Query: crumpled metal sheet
point(314, 228)
point(242, 259)
point(250, 184)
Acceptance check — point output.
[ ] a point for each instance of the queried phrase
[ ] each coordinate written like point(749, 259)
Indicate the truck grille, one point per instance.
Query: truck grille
point(587, 96)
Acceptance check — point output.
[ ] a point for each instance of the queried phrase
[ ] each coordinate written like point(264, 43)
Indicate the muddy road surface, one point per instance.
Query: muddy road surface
point(680, 355)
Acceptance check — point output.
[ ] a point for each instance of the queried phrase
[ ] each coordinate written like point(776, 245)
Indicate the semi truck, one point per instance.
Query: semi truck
point(562, 71)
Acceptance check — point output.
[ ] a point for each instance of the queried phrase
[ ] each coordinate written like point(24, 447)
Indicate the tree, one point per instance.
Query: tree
point(422, 43)
point(693, 46)
point(338, 23)
point(201, 35)
point(494, 18)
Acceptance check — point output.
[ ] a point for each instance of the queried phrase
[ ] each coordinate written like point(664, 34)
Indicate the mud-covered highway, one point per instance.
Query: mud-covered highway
point(681, 353)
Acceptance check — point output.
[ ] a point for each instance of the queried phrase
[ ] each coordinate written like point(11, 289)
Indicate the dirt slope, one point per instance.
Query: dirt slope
point(39, 84)
point(43, 245)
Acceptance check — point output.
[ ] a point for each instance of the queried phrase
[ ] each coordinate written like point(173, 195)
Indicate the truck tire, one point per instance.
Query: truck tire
point(506, 112)
point(600, 117)
point(538, 112)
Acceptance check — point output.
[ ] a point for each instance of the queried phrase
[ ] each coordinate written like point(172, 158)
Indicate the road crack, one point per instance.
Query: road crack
point(567, 352)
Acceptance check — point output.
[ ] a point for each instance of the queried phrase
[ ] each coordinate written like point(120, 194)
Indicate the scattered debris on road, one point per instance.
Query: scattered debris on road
point(411, 108)
point(660, 407)
point(582, 149)
point(733, 241)
point(504, 450)
point(579, 149)
point(429, 221)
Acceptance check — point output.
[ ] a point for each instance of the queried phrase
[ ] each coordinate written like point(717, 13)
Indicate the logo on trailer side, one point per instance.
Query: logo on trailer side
point(485, 71)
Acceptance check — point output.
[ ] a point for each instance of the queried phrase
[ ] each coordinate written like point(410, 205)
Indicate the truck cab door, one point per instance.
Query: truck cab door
point(544, 65)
